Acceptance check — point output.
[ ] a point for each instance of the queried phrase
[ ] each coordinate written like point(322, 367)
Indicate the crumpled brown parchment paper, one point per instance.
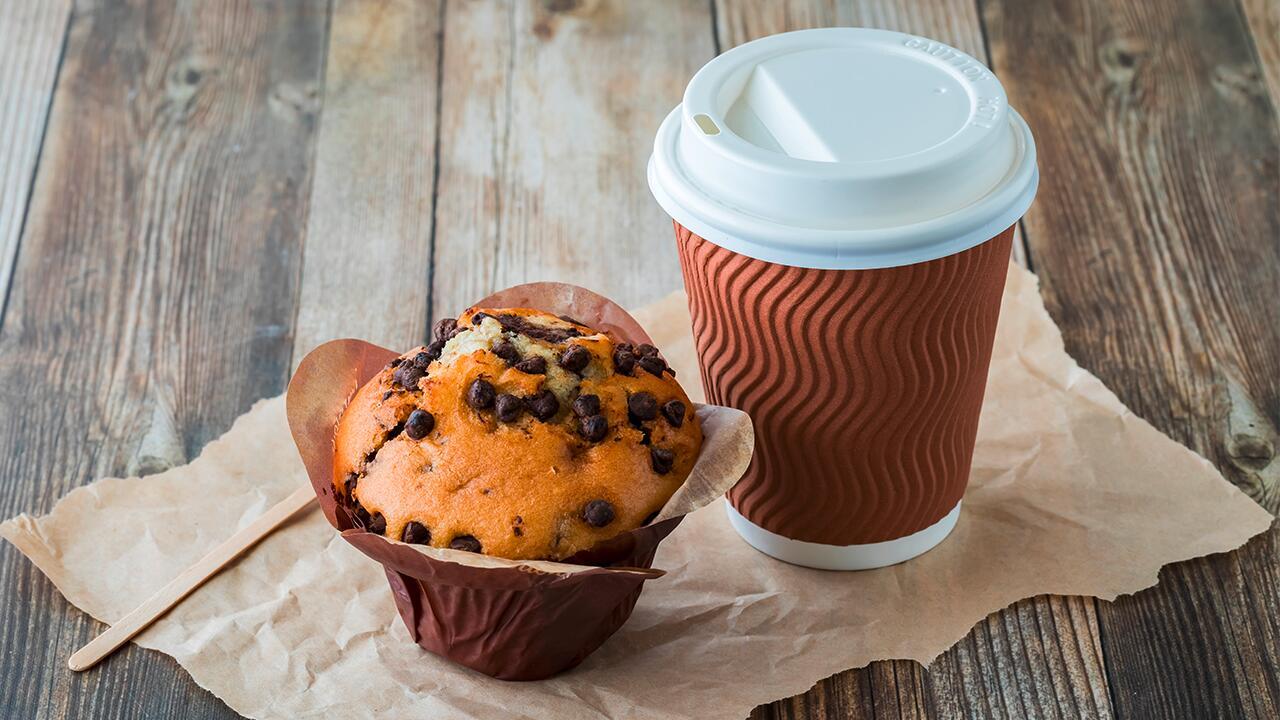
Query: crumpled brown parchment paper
point(1071, 494)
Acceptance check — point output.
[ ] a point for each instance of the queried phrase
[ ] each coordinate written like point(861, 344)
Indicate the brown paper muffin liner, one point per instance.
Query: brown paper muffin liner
point(513, 620)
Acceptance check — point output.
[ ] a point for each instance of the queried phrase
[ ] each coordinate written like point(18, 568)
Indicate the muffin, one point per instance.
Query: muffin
point(517, 434)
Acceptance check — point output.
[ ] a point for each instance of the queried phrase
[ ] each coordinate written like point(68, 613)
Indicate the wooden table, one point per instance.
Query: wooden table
point(193, 194)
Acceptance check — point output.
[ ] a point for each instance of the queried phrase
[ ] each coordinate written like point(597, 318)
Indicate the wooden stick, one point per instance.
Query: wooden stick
point(190, 579)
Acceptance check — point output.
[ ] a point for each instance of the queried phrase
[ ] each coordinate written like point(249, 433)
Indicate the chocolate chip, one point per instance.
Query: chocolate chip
point(508, 407)
point(593, 428)
point(597, 513)
point(420, 423)
point(575, 359)
point(586, 405)
point(387, 394)
point(377, 524)
point(395, 363)
point(673, 411)
point(661, 460)
point(653, 365)
point(424, 358)
point(642, 406)
point(478, 318)
point(408, 375)
point(434, 349)
point(517, 531)
point(445, 328)
point(534, 365)
point(465, 543)
point(523, 326)
point(544, 405)
point(415, 533)
point(480, 394)
point(349, 485)
point(624, 361)
point(506, 350)
point(646, 350)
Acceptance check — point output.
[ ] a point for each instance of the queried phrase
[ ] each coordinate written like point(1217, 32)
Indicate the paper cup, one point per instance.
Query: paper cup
point(864, 386)
point(513, 620)
point(844, 203)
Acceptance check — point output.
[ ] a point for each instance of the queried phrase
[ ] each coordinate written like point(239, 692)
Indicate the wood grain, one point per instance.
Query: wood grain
point(1041, 658)
point(153, 296)
point(161, 268)
point(1263, 20)
point(372, 198)
point(31, 34)
point(1162, 270)
point(547, 120)
point(954, 22)
point(1008, 666)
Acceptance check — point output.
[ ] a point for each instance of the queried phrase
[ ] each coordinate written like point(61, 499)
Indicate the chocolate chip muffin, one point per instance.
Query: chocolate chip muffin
point(517, 434)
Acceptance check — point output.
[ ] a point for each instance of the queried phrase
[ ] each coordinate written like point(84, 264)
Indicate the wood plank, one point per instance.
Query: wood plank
point(1050, 644)
point(1263, 19)
point(31, 34)
point(1009, 666)
point(547, 120)
point(1162, 271)
point(954, 22)
point(154, 294)
point(1040, 658)
point(372, 198)
point(890, 689)
point(1203, 643)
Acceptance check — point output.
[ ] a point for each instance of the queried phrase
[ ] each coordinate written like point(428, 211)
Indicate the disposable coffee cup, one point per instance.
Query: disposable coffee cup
point(844, 202)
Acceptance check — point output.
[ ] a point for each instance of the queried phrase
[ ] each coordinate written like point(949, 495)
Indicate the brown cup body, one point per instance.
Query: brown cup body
point(864, 386)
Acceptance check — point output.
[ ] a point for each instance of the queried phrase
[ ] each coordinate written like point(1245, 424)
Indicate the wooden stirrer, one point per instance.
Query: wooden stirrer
point(190, 579)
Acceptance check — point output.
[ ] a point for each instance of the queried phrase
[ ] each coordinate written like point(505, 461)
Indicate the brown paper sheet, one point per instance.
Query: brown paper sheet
point(1071, 494)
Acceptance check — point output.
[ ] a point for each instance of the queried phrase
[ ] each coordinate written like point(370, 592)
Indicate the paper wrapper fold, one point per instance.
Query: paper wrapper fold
point(514, 620)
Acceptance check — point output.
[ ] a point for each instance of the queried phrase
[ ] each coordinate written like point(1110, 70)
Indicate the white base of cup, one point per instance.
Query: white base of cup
point(843, 557)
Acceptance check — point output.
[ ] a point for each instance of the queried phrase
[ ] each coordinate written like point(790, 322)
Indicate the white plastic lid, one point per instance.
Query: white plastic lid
point(844, 148)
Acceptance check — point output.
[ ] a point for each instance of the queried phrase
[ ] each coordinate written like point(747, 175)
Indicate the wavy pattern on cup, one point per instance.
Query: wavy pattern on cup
point(865, 386)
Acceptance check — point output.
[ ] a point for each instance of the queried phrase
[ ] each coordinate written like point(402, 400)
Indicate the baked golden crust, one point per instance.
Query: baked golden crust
point(527, 467)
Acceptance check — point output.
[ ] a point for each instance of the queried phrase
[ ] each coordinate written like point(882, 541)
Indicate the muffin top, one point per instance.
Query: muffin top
point(517, 434)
